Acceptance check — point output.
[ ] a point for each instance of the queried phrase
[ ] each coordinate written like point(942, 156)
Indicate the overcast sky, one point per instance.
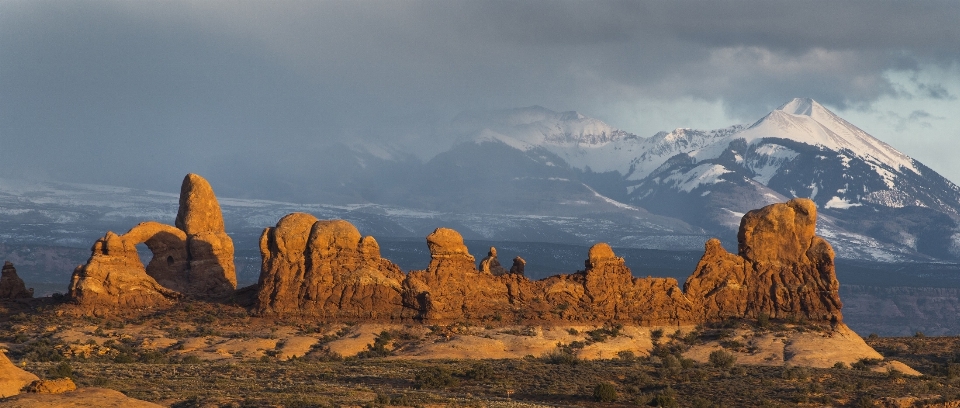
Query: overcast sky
point(139, 93)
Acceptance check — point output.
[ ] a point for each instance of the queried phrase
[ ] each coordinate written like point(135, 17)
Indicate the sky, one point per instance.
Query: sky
point(138, 93)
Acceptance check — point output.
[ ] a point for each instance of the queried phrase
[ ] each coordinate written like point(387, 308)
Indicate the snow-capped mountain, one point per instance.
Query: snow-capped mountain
point(875, 201)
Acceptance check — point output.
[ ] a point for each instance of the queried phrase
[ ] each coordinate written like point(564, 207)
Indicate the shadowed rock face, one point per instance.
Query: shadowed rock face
point(325, 268)
point(11, 286)
point(194, 258)
point(782, 269)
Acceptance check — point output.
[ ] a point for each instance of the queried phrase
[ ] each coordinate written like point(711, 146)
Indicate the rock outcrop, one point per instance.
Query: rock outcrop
point(518, 266)
point(210, 249)
point(194, 258)
point(325, 269)
point(12, 378)
point(491, 264)
point(782, 269)
point(55, 386)
point(115, 281)
point(11, 286)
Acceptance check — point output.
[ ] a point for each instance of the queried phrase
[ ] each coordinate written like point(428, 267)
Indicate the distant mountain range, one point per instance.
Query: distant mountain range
point(535, 175)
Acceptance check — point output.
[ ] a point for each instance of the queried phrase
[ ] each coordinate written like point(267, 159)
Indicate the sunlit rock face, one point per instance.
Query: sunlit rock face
point(325, 269)
point(11, 286)
point(193, 258)
point(783, 270)
point(210, 249)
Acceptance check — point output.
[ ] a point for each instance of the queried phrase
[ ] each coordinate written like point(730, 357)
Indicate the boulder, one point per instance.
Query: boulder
point(333, 273)
point(12, 378)
point(212, 271)
point(56, 386)
point(11, 286)
point(782, 269)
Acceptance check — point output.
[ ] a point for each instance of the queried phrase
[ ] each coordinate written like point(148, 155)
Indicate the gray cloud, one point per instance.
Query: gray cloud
point(110, 91)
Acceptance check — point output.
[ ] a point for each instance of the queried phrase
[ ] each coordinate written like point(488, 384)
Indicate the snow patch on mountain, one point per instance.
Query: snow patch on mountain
point(703, 174)
point(840, 203)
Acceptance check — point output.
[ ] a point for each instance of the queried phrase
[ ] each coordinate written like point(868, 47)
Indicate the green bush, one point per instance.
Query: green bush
point(667, 399)
point(434, 377)
point(62, 370)
point(481, 372)
point(722, 359)
point(605, 392)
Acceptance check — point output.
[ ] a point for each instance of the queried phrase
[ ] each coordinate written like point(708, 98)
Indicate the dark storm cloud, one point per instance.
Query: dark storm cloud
point(110, 91)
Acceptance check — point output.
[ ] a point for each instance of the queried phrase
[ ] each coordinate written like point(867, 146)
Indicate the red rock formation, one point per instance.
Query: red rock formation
point(491, 265)
point(782, 270)
point(12, 378)
point(194, 258)
point(325, 269)
point(115, 281)
point(210, 249)
point(11, 286)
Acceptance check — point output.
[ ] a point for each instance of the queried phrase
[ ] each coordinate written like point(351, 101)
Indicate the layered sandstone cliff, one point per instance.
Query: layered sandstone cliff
point(11, 286)
point(194, 258)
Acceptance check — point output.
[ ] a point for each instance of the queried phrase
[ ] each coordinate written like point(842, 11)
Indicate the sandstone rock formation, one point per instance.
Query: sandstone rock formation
point(518, 265)
point(325, 269)
point(11, 286)
point(55, 386)
point(193, 258)
point(115, 281)
point(12, 378)
point(83, 397)
point(491, 265)
point(782, 269)
point(210, 249)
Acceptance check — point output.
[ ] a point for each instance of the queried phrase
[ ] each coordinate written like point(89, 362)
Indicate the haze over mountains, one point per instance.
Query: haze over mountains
point(535, 175)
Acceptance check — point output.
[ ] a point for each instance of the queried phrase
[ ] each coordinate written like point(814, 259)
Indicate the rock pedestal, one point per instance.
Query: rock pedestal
point(11, 286)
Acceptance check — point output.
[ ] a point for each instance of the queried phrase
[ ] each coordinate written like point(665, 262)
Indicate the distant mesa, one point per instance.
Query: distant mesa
point(325, 269)
point(11, 286)
point(195, 258)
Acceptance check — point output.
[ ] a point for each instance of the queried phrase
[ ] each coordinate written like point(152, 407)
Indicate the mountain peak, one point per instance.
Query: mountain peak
point(801, 106)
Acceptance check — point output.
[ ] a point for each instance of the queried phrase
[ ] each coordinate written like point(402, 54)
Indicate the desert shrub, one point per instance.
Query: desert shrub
point(561, 356)
point(656, 335)
point(379, 346)
point(666, 398)
point(124, 358)
point(840, 365)
point(873, 336)
point(434, 377)
point(153, 357)
point(605, 392)
point(42, 349)
point(626, 355)
point(722, 359)
point(480, 372)
point(62, 370)
point(190, 360)
point(919, 335)
point(763, 320)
